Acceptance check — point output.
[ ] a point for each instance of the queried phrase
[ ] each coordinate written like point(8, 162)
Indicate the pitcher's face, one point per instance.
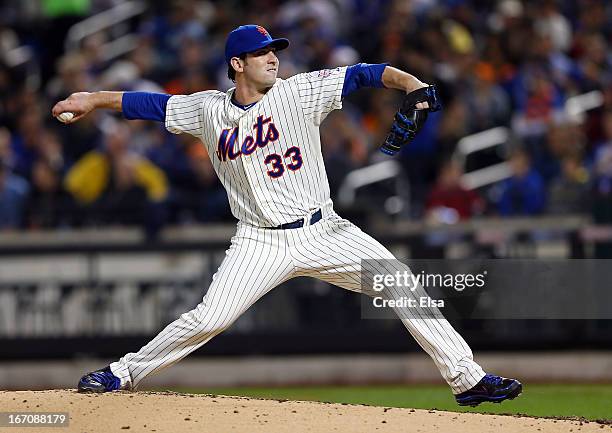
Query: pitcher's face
point(261, 67)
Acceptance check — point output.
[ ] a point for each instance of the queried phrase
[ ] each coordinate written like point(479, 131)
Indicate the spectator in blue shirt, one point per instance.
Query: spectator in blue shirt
point(524, 192)
point(13, 194)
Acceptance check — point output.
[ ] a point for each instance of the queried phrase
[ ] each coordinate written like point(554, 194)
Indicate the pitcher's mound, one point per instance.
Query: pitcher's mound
point(177, 413)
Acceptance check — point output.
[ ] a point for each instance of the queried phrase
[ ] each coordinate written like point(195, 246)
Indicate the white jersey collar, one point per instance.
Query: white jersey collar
point(233, 112)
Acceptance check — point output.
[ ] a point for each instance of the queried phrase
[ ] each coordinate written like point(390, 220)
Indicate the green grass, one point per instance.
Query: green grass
point(588, 401)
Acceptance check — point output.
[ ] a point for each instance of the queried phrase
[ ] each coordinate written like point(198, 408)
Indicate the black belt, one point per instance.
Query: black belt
point(300, 223)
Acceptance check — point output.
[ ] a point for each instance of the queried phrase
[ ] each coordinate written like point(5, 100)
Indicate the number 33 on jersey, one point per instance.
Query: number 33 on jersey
point(268, 157)
point(227, 148)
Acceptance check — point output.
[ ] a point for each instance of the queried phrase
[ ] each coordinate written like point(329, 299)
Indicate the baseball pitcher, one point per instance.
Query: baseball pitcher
point(263, 139)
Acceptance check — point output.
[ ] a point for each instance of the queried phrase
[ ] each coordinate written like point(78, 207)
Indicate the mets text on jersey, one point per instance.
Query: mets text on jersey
point(226, 145)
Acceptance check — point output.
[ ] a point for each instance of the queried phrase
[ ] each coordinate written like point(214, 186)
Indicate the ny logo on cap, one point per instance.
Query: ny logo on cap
point(263, 31)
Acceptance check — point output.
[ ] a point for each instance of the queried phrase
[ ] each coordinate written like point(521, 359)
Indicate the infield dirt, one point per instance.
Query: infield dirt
point(177, 413)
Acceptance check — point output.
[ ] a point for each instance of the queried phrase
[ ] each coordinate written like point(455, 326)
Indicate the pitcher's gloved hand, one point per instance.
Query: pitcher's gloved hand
point(409, 120)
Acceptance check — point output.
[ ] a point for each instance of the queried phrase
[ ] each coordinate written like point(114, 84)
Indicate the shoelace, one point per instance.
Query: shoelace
point(109, 380)
point(491, 379)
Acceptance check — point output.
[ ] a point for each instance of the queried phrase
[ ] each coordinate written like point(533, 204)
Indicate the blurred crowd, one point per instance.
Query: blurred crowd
point(504, 63)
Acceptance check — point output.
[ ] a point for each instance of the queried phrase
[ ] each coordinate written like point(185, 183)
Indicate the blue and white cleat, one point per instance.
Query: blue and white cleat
point(490, 388)
point(99, 381)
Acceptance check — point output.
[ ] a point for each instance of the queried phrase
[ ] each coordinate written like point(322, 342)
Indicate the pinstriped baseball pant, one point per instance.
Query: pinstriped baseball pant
point(259, 260)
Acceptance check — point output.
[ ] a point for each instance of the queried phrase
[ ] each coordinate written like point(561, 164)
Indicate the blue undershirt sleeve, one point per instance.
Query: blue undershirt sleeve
point(144, 106)
point(363, 75)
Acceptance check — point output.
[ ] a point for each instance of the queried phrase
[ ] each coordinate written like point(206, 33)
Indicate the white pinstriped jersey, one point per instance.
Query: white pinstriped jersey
point(269, 160)
point(269, 156)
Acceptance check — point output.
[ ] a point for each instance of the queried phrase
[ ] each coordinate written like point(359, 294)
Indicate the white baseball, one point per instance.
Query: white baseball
point(66, 116)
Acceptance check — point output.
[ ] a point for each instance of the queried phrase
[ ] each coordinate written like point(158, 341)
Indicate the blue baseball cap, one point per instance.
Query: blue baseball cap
point(249, 38)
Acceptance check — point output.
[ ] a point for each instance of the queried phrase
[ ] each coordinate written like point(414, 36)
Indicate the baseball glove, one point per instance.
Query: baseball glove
point(409, 120)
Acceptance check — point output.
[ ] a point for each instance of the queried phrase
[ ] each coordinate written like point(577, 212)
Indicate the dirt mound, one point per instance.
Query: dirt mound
point(172, 412)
